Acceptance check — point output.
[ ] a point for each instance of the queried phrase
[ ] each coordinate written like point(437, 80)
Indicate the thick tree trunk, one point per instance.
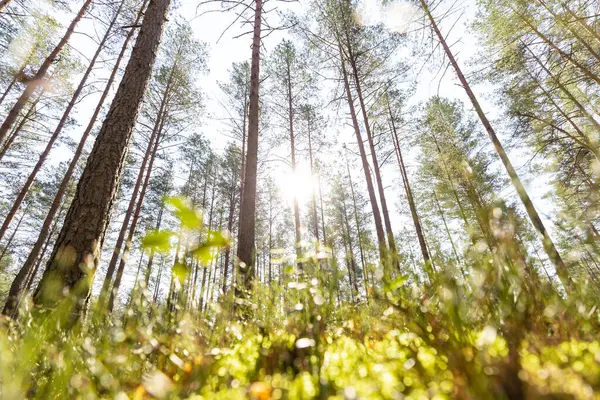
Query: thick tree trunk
point(549, 246)
point(4, 3)
point(40, 75)
point(61, 124)
point(75, 257)
point(246, 232)
point(148, 157)
point(45, 233)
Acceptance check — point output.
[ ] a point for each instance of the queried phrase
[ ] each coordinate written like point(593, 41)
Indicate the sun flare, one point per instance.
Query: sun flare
point(299, 184)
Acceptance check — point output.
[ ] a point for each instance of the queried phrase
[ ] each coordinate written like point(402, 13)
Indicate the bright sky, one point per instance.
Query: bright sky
point(210, 26)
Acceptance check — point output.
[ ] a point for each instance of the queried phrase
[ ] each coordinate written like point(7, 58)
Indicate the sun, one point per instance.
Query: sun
point(299, 184)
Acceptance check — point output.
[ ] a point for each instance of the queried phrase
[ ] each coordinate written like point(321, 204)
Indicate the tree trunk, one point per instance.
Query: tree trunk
point(15, 133)
point(158, 278)
point(54, 207)
point(363, 156)
point(136, 216)
point(549, 246)
point(293, 156)
point(384, 208)
point(407, 190)
point(357, 221)
point(246, 232)
point(14, 233)
point(76, 252)
point(39, 76)
point(148, 155)
point(151, 256)
point(38, 166)
point(229, 228)
point(16, 76)
point(312, 173)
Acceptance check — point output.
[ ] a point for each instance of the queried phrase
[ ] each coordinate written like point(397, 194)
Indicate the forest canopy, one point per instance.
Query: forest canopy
point(296, 199)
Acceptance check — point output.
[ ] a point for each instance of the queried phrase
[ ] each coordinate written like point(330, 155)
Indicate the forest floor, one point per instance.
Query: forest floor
point(356, 352)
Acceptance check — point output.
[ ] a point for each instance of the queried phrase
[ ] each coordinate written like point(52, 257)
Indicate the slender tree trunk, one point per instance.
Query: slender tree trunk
point(441, 212)
point(18, 75)
point(14, 233)
point(409, 195)
point(358, 233)
point(158, 278)
point(24, 278)
point(205, 283)
point(75, 257)
point(38, 166)
point(312, 173)
point(40, 75)
point(17, 130)
point(322, 212)
point(350, 251)
point(246, 231)
point(151, 256)
point(229, 228)
point(135, 219)
point(376, 170)
point(567, 57)
point(574, 32)
point(365, 164)
point(549, 246)
point(293, 156)
point(148, 157)
point(243, 154)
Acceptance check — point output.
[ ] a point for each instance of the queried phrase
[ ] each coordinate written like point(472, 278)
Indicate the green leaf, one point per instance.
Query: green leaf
point(180, 271)
point(159, 241)
point(189, 216)
point(204, 252)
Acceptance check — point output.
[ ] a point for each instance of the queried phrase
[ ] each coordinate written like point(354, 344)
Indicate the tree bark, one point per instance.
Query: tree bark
point(75, 256)
point(148, 155)
point(246, 232)
point(548, 244)
point(39, 76)
point(45, 233)
point(57, 131)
